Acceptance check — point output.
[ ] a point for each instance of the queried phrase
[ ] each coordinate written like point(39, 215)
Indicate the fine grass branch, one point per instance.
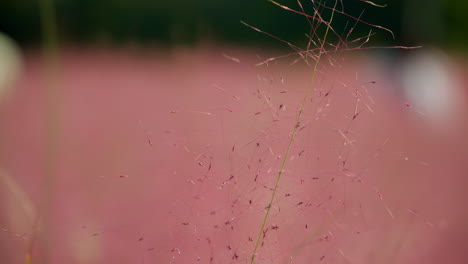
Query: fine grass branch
point(292, 138)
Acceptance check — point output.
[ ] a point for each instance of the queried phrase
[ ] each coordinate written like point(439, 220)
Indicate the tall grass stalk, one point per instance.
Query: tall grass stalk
point(292, 137)
point(51, 69)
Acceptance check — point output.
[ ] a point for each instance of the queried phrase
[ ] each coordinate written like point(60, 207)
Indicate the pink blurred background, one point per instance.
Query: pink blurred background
point(169, 156)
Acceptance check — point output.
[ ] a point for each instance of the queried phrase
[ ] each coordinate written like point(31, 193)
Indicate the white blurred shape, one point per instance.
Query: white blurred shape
point(10, 64)
point(431, 85)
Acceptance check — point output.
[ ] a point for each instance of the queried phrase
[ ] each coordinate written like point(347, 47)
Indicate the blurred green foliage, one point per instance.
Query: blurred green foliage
point(189, 21)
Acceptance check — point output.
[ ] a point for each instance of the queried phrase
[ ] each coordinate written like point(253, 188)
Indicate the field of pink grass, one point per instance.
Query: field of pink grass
point(170, 157)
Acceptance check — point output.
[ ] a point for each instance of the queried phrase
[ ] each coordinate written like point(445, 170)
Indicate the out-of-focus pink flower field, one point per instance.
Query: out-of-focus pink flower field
point(171, 157)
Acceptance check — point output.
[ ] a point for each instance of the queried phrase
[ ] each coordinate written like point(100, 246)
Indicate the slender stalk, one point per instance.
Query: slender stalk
point(291, 140)
point(51, 66)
